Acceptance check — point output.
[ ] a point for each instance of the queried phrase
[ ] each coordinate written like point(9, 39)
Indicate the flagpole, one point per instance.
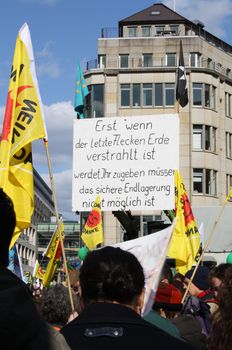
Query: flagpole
point(206, 246)
point(58, 226)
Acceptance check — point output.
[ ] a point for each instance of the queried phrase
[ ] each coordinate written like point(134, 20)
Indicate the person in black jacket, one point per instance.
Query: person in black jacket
point(112, 293)
point(20, 324)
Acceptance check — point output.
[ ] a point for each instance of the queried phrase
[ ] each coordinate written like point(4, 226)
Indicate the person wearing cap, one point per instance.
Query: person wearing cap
point(168, 304)
point(154, 317)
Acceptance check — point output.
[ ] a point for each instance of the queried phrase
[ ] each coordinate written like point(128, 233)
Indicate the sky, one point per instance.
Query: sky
point(64, 33)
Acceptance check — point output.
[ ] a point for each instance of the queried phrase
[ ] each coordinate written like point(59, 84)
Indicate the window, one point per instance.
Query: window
point(205, 181)
point(158, 94)
point(204, 137)
point(194, 59)
point(147, 60)
point(198, 180)
point(123, 61)
point(213, 98)
point(132, 31)
point(197, 94)
point(209, 63)
point(136, 95)
point(197, 136)
point(146, 31)
point(204, 95)
point(210, 182)
point(147, 95)
point(101, 61)
point(159, 30)
point(98, 101)
point(125, 95)
point(169, 94)
point(174, 29)
point(207, 95)
point(228, 104)
point(228, 145)
point(170, 59)
point(95, 101)
point(228, 184)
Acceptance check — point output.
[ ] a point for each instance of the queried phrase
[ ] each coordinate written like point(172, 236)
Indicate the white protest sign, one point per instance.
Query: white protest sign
point(151, 252)
point(128, 161)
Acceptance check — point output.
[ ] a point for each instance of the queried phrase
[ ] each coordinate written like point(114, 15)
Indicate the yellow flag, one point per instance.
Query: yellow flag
point(185, 244)
point(23, 123)
point(53, 252)
point(228, 198)
point(38, 271)
point(93, 232)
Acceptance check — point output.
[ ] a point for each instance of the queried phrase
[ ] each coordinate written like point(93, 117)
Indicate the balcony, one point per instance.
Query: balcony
point(135, 63)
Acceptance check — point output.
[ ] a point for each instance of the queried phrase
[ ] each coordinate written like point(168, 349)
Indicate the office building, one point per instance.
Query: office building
point(135, 74)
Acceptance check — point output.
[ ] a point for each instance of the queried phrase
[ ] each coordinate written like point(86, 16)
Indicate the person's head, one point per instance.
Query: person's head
point(216, 277)
point(178, 282)
point(166, 274)
point(221, 333)
point(112, 275)
point(7, 222)
point(55, 306)
point(200, 280)
point(168, 300)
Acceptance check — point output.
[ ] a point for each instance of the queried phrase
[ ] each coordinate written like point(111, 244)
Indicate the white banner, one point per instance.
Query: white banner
point(151, 252)
point(128, 161)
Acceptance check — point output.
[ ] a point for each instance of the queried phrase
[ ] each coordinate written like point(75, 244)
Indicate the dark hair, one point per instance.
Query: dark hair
point(219, 271)
point(166, 273)
point(7, 222)
point(111, 274)
point(221, 333)
point(55, 306)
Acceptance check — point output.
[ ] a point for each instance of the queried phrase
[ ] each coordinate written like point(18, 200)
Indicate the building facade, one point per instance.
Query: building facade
point(43, 210)
point(135, 74)
point(71, 242)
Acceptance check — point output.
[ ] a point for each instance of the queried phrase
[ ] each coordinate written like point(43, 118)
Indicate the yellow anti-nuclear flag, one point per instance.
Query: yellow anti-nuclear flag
point(38, 271)
point(23, 123)
point(93, 232)
point(185, 245)
point(53, 252)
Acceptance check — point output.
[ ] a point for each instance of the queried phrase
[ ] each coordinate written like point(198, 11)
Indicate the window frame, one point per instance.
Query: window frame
point(102, 61)
point(203, 130)
point(134, 28)
point(149, 94)
point(125, 87)
point(121, 57)
point(150, 90)
point(168, 57)
point(147, 58)
point(228, 185)
point(196, 59)
point(134, 105)
point(142, 31)
point(208, 180)
point(166, 90)
point(207, 94)
point(228, 145)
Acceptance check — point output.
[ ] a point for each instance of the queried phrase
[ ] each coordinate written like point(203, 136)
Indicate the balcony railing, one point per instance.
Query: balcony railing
point(137, 63)
point(114, 33)
point(109, 33)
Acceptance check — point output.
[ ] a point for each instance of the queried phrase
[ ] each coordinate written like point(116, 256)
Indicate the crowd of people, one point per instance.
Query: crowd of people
point(108, 305)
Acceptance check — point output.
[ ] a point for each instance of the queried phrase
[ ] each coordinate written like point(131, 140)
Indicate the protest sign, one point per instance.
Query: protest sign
point(128, 161)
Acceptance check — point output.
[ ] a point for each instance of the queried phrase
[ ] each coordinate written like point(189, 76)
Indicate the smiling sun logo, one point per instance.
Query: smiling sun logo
point(94, 218)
